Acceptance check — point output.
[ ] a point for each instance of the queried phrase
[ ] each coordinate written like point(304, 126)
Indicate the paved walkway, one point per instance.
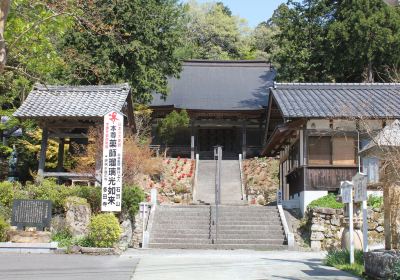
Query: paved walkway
point(231, 265)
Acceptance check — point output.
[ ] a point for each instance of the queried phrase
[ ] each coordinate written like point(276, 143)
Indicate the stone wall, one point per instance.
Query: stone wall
point(327, 224)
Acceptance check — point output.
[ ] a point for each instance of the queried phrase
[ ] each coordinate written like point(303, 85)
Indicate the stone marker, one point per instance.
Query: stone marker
point(31, 213)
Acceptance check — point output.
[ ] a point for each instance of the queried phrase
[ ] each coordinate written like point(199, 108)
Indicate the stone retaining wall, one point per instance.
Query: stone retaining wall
point(327, 224)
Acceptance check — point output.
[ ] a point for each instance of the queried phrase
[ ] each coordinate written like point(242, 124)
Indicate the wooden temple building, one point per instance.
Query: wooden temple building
point(226, 102)
point(322, 129)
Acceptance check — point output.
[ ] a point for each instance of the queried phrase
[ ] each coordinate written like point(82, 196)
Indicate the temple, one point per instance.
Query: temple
point(226, 102)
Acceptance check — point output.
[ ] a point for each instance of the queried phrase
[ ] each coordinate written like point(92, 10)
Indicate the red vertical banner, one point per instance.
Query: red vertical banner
point(113, 139)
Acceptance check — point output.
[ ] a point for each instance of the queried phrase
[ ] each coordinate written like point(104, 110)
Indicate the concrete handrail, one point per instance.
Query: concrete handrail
point(241, 176)
point(148, 225)
point(289, 235)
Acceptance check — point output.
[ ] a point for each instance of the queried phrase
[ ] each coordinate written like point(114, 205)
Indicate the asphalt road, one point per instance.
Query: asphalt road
point(63, 267)
point(171, 265)
point(232, 265)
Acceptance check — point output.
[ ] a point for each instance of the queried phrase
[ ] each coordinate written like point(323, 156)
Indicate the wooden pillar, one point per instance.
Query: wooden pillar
point(60, 157)
point(244, 145)
point(42, 156)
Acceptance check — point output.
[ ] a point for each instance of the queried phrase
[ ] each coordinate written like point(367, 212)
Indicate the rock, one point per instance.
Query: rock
point(381, 221)
point(316, 220)
point(75, 249)
point(377, 210)
point(329, 234)
point(380, 264)
point(58, 224)
point(20, 236)
point(339, 211)
point(380, 229)
point(317, 227)
point(315, 245)
point(335, 221)
point(372, 225)
point(126, 235)
point(323, 210)
point(317, 236)
point(77, 216)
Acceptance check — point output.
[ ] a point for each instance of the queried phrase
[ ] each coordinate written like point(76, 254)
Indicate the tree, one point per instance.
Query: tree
point(127, 40)
point(262, 41)
point(4, 8)
point(301, 39)
point(364, 38)
point(169, 126)
point(213, 33)
point(343, 41)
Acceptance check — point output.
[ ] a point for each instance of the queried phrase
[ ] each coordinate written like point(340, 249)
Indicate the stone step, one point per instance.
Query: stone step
point(246, 236)
point(249, 227)
point(277, 241)
point(173, 231)
point(180, 240)
point(251, 232)
point(251, 219)
point(161, 227)
point(261, 247)
point(247, 223)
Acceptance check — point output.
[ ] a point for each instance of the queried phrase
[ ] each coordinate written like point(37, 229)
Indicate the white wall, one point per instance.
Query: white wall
point(307, 196)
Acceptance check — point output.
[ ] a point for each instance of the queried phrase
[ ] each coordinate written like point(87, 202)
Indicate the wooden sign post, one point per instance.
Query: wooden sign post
point(360, 195)
point(346, 190)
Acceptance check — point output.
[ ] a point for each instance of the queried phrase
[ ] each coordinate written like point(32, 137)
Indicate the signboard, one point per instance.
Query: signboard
point(279, 197)
point(112, 161)
point(31, 213)
point(345, 191)
point(360, 187)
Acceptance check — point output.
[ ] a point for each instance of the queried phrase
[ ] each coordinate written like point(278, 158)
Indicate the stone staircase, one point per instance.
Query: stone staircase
point(230, 183)
point(239, 227)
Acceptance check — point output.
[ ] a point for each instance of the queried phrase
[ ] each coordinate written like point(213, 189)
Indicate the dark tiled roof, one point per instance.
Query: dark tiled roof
point(336, 100)
point(73, 101)
point(219, 85)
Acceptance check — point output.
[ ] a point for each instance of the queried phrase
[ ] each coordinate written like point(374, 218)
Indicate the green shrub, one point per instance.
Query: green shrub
point(341, 260)
point(375, 201)
point(4, 225)
point(131, 197)
point(75, 200)
point(10, 191)
point(104, 230)
point(64, 238)
point(50, 190)
point(85, 241)
point(92, 195)
point(328, 201)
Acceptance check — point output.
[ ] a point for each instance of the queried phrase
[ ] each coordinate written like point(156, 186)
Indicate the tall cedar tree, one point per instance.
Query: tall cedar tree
point(364, 40)
point(126, 40)
point(336, 40)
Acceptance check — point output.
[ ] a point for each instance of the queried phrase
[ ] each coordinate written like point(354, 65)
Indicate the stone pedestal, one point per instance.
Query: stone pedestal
point(20, 236)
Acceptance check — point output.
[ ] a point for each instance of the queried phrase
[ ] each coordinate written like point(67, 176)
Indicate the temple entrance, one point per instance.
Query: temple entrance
point(226, 137)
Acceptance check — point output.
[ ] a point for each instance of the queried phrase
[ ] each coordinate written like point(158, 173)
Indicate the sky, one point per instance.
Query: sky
point(255, 11)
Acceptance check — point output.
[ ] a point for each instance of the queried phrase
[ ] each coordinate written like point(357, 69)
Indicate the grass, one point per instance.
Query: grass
point(328, 201)
point(341, 260)
point(65, 240)
point(375, 201)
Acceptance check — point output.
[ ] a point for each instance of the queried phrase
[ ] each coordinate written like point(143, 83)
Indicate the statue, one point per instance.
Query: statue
point(12, 166)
